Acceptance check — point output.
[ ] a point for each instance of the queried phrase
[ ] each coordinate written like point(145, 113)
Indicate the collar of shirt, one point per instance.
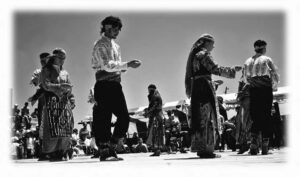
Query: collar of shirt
point(106, 39)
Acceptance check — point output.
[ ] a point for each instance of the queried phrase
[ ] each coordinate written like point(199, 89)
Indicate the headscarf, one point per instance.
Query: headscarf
point(197, 46)
point(60, 53)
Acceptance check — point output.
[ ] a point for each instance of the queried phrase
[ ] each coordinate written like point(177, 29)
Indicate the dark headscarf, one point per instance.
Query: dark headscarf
point(197, 46)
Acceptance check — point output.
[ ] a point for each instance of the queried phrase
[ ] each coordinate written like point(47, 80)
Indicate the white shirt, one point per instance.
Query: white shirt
point(35, 79)
point(261, 66)
point(107, 56)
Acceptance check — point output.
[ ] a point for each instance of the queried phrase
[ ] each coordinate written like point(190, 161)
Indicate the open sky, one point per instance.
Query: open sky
point(161, 40)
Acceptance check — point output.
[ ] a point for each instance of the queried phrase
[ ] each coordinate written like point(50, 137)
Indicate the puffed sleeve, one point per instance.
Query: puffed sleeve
point(273, 74)
point(35, 79)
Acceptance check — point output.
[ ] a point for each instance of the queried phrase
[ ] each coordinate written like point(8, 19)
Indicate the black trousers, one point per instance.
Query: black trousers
point(261, 99)
point(110, 100)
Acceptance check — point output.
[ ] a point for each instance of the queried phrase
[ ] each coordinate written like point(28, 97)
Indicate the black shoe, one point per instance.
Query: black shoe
point(209, 156)
point(156, 153)
point(44, 158)
point(183, 151)
point(113, 153)
point(109, 154)
point(253, 149)
point(66, 157)
point(95, 156)
point(106, 156)
point(243, 149)
point(265, 146)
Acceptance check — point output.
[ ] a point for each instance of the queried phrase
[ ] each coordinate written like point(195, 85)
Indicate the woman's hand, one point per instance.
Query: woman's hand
point(66, 85)
point(134, 63)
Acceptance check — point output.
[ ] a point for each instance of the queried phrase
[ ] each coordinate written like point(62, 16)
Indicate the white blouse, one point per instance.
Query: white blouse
point(261, 66)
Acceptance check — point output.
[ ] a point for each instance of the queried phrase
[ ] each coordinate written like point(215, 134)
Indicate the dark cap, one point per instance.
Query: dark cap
point(260, 43)
point(44, 55)
point(152, 86)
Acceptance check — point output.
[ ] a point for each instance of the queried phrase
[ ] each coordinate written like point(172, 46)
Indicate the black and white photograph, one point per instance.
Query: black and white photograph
point(150, 89)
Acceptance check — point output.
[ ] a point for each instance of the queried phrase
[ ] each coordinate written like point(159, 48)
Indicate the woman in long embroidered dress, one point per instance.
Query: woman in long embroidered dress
point(57, 117)
point(200, 88)
point(244, 120)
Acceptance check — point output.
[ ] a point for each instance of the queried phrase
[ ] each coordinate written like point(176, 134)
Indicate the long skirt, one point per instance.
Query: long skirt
point(244, 122)
point(156, 136)
point(204, 121)
point(57, 125)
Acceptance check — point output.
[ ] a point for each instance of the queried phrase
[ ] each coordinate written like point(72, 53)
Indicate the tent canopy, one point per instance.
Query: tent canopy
point(279, 95)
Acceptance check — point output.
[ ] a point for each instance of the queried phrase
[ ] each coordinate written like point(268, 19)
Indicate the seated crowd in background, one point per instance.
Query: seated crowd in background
point(25, 137)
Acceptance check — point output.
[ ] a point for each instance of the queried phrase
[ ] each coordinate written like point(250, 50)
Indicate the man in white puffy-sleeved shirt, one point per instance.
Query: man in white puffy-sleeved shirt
point(261, 75)
point(109, 97)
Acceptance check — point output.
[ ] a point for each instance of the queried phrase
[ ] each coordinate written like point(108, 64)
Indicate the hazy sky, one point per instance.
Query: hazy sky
point(162, 42)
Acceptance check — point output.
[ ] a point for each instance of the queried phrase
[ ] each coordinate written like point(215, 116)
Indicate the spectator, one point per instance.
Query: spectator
point(84, 138)
point(122, 146)
point(222, 109)
point(14, 147)
point(135, 138)
point(30, 144)
point(84, 133)
point(27, 121)
point(15, 110)
point(141, 146)
point(34, 114)
point(17, 120)
point(229, 131)
point(25, 110)
point(75, 136)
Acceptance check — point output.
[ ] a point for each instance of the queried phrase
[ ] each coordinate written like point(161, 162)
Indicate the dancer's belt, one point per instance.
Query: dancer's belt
point(102, 75)
point(202, 77)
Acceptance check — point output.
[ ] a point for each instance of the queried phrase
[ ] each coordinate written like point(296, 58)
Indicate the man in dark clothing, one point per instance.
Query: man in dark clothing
point(156, 127)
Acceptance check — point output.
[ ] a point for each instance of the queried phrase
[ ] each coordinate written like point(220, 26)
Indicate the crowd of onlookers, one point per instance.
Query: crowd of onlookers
point(25, 135)
point(26, 143)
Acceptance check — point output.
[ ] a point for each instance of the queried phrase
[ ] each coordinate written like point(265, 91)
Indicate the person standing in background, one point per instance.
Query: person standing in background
point(156, 124)
point(244, 121)
point(35, 81)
